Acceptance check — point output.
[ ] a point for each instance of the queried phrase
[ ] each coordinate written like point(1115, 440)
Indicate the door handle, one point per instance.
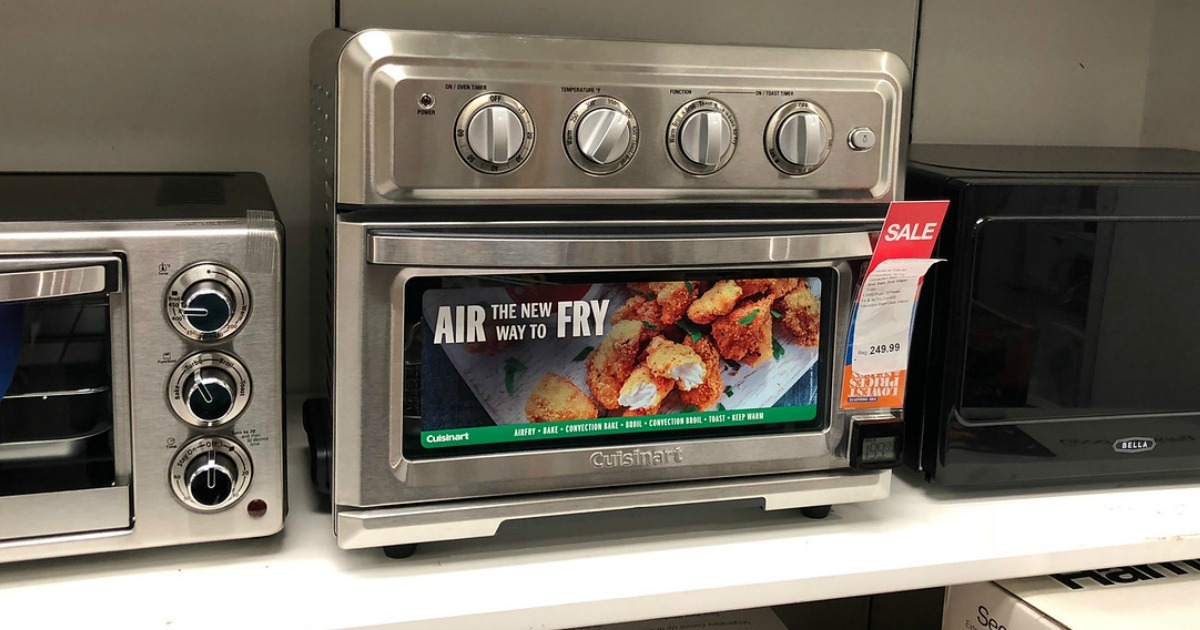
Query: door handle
point(42, 284)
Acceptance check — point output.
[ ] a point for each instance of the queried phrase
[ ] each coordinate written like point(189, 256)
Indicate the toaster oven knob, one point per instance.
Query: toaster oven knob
point(208, 302)
point(494, 133)
point(209, 474)
point(211, 393)
point(601, 135)
point(207, 306)
point(211, 478)
point(702, 136)
point(798, 138)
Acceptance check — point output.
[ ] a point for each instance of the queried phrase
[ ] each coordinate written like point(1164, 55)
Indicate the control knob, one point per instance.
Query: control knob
point(601, 135)
point(207, 302)
point(210, 474)
point(211, 477)
point(494, 133)
point(798, 138)
point(208, 389)
point(702, 136)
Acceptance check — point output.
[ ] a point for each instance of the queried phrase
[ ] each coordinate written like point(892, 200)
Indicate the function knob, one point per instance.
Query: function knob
point(207, 302)
point(494, 133)
point(210, 474)
point(208, 389)
point(798, 138)
point(601, 135)
point(702, 136)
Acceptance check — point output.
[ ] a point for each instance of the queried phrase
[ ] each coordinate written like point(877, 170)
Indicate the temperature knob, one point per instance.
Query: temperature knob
point(798, 138)
point(601, 135)
point(702, 136)
point(208, 389)
point(207, 302)
point(494, 133)
point(210, 474)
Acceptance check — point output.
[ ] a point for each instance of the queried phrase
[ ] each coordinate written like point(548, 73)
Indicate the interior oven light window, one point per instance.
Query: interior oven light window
point(505, 363)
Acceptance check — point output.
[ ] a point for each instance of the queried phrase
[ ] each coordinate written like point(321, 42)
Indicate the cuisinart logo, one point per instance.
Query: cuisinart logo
point(1134, 445)
point(636, 457)
point(1128, 575)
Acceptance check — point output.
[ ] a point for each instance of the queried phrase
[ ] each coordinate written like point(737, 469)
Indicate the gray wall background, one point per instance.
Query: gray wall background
point(221, 84)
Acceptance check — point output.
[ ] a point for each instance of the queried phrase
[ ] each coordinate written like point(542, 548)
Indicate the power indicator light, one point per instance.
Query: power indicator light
point(256, 508)
point(425, 101)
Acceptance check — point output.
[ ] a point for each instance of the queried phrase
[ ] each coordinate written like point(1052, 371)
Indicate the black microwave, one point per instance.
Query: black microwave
point(1061, 338)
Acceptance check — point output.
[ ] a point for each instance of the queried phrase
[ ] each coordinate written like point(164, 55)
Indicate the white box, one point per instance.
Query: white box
point(1161, 595)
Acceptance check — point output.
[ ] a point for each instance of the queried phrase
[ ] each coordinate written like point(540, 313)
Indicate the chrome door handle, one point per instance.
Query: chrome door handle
point(41, 284)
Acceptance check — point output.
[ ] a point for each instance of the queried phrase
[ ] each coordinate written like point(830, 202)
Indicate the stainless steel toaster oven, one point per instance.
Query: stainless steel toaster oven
point(140, 362)
point(569, 276)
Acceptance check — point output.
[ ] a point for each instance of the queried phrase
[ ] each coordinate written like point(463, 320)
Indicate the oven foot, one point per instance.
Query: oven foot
point(400, 552)
point(815, 511)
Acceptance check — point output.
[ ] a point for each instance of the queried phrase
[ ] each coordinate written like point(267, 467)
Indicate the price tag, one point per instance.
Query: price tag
point(877, 355)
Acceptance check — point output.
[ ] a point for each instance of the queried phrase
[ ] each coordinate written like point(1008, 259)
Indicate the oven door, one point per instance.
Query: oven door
point(493, 360)
point(64, 419)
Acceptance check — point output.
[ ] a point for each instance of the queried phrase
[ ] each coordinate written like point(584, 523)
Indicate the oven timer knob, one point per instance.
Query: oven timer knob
point(702, 136)
point(207, 302)
point(798, 138)
point(494, 133)
point(210, 474)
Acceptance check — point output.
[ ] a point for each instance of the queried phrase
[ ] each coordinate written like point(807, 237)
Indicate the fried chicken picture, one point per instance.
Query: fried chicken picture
point(555, 399)
point(745, 331)
point(800, 314)
point(706, 394)
point(610, 365)
point(715, 302)
point(772, 286)
point(643, 392)
point(680, 363)
point(673, 299)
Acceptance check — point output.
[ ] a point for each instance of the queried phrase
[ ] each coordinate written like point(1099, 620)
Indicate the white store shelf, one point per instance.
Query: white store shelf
point(583, 570)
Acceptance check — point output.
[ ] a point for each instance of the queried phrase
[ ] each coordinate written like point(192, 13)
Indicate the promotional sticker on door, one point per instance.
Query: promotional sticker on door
point(550, 361)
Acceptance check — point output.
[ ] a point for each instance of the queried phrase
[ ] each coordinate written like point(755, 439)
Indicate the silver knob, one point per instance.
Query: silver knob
point(705, 137)
point(802, 139)
point(495, 134)
point(603, 135)
point(211, 393)
point(207, 305)
point(211, 478)
point(207, 302)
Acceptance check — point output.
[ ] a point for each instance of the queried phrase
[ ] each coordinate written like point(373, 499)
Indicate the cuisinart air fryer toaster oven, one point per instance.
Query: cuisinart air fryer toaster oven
point(572, 276)
point(141, 375)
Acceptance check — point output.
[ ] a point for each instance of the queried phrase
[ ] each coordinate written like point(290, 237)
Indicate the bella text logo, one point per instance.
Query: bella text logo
point(636, 458)
point(1134, 445)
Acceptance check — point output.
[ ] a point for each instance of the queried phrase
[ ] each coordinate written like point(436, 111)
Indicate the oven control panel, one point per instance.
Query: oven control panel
point(514, 118)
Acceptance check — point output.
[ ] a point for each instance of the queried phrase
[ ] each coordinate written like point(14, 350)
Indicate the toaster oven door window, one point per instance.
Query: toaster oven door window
point(63, 448)
point(1090, 318)
point(502, 363)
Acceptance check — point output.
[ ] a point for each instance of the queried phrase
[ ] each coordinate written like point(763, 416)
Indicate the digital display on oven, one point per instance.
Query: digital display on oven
point(516, 362)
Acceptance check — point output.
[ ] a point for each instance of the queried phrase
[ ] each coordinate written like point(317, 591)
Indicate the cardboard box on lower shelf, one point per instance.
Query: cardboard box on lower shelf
point(1160, 595)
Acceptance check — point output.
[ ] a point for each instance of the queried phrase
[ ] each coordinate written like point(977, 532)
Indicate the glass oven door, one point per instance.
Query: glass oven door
point(64, 437)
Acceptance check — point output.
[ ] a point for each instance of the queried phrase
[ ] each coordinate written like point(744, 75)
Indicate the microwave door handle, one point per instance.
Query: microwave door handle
point(442, 250)
point(42, 284)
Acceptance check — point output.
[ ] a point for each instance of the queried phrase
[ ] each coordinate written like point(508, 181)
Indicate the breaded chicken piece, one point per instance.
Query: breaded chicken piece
point(800, 314)
point(673, 299)
point(744, 330)
point(681, 364)
point(643, 391)
point(555, 399)
point(640, 308)
point(705, 395)
point(772, 286)
point(761, 352)
point(610, 364)
point(715, 302)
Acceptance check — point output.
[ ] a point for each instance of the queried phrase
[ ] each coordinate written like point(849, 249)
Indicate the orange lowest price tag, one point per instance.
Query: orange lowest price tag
point(881, 327)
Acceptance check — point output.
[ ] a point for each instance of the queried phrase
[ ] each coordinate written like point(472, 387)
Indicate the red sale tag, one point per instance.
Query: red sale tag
point(877, 355)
